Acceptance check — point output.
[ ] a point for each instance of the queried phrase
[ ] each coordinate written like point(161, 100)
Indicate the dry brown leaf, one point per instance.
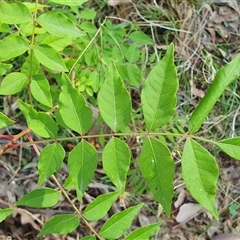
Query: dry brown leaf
point(195, 91)
point(229, 236)
point(180, 199)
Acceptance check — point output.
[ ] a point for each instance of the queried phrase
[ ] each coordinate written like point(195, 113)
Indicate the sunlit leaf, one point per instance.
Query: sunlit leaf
point(60, 224)
point(69, 2)
point(200, 174)
point(50, 160)
point(223, 78)
point(116, 161)
point(40, 198)
point(159, 92)
point(5, 121)
point(4, 68)
point(157, 167)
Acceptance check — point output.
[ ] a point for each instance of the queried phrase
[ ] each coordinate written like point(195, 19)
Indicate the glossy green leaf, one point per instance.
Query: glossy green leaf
point(141, 38)
point(13, 83)
point(39, 122)
point(60, 224)
point(4, 213)
point(118, 224)
point(82, 163)
point(157, 167)
point(12, 46)
point(14, 13)
point(49, 58)
point(69, 2)
point(114, 101)
point(40, 198)
point(40, 90)
point(200, 174)
point(159, 92)
point(73, 109)
point(223, 78)
point(59, 25)
point(88, 238)
point(4, 68)
point(100, 206)
point(230, 146)
point(50, 160)
point(144, 232)
point(5, 121)
point(116, 161)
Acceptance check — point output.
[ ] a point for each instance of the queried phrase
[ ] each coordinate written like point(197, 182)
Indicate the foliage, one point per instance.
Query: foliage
point(62, 54)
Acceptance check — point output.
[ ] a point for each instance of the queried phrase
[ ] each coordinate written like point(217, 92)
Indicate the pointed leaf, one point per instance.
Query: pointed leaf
point(116, 161)
point(144, 232)
point(41, 123)
point(100, 206)
point(73, 109)
point(50, 160)
point(13, 83)
point(4, 213)
point(141, 38)
point(159, 92)
point(5, 121)
point(223, 78)
point(157, 167)
point(60, 224)
point(14, 13)
point(40, 90)
point(40, 198)
point(57, 24)
point(200, 174)
point(49, 58)
point(114, 101)
point(118, 224)
point(69, 2)
point(231, 147)
point(12, 46)
point(82, 163)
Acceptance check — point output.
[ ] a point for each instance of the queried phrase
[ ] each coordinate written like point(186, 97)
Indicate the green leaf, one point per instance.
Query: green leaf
point(50, 160)
point(40, 198)
point(69, 2)
point(13, 83)
point(57, 43)
point(223, 78)
point(4, 28)
point(88, 238)
point(59, 25)
point(200, 174)
point(4, 213)
point(116, 161)
point(49, 58)
point(88, 14)
point(82, 163)
point(114, 101)
point(144, 232)
point(141, 38)
point(157, 167)
point(100, 206)
point(159, 92)
point(12, 46)
point(230, 146)
point(5, 121)
point(118, 224)
point(4, 68)
point(41, 123)
point(14, 13)
point(73, 109)
point(131, 53)
point(60, 224)
point(40, 90)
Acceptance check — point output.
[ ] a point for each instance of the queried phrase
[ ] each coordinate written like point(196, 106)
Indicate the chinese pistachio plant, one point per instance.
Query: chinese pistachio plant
point(66, 68)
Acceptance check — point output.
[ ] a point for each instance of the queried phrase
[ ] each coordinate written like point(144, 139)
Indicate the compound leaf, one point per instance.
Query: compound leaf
point(157, 167)
point(159, 92)
point(82, 163)
point(50, 160)
point(200, 174)
point(60, 224)
point(40, 198)
point(116, 161)
point(223, 78)
point(114, 101)
point(117, 224)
